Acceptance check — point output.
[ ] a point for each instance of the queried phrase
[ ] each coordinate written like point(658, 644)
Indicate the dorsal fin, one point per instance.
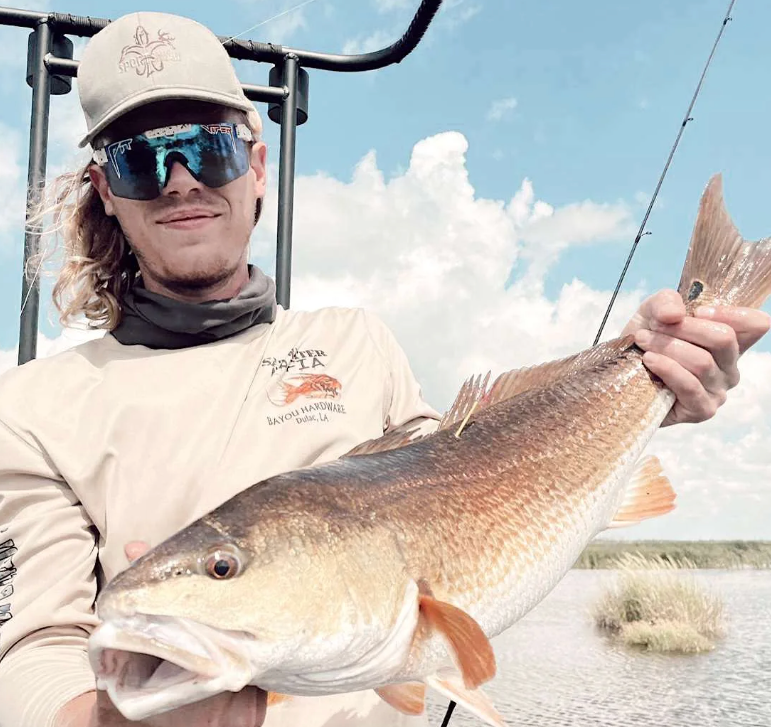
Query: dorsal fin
point(397, 437)
point(512, 383)
point(475, 396)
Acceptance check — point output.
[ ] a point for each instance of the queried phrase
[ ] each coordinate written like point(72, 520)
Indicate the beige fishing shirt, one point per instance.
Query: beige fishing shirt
point(106, 443)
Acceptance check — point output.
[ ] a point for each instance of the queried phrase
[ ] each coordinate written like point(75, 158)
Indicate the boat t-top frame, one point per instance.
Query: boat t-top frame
point(50, 69)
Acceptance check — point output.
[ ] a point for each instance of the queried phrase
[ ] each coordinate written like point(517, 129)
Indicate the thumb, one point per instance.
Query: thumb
point(135, 549)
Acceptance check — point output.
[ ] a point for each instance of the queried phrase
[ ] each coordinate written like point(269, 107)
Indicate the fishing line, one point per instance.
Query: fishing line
point(269, 20)
point(685, 121)
point(641, 232)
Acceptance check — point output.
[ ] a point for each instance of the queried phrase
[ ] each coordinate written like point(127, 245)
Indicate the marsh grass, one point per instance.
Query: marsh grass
point(720, 554)
point(655, 605)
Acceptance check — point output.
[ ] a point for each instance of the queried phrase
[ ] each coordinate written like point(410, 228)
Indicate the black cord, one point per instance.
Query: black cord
point(687, 118)
point(448, 714)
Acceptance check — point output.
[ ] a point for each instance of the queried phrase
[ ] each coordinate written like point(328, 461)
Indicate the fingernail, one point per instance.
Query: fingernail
point(705, 311)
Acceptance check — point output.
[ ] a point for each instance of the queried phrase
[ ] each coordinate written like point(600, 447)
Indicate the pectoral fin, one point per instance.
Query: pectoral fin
point(277, 698)
point(409, 697)
point(468, 643)
point(450, 684)
point(648, 494)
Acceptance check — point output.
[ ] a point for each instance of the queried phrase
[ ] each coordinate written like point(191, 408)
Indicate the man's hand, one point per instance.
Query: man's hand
point(695, 357)
point(240, 709)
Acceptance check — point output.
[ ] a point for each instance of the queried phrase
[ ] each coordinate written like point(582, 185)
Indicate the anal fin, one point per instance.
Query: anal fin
point(648, 494)
point(470, 646)
point(450, 684)
point(408, 698)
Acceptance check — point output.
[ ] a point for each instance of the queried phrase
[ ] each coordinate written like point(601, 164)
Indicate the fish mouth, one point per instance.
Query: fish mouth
point(153, 664)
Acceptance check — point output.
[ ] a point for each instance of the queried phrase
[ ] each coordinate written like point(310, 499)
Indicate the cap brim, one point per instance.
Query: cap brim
point(164, 94)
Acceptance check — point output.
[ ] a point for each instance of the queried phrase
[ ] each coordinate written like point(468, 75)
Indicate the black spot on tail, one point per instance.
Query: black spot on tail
point(696, 289)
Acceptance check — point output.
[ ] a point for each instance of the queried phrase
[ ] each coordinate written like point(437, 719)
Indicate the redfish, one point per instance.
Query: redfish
point(392, 567)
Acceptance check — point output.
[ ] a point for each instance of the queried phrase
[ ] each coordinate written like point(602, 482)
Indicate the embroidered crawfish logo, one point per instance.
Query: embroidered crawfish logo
point(147, 56)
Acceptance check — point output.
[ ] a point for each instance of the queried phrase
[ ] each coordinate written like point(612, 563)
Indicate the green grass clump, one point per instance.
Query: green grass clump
point(653, 605)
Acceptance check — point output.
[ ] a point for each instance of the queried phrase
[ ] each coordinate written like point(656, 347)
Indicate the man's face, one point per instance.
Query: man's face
point(192, 239)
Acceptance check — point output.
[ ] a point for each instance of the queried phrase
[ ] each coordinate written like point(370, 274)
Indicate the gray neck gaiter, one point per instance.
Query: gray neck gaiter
point(155, 321)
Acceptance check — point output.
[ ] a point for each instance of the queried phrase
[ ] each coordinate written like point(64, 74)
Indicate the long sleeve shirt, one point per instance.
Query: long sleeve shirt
point(105, 443)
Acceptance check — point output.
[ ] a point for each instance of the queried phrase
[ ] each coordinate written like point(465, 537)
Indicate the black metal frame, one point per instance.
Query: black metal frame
point(49, 74)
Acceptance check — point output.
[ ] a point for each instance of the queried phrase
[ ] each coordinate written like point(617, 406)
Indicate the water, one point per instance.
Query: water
point(556, 670)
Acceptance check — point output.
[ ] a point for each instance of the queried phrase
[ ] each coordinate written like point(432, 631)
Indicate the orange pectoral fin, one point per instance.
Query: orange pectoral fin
point(409, 698)
point(471, 648)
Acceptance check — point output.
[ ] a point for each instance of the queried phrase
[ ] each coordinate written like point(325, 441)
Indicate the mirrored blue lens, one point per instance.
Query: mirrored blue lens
point(139, 167)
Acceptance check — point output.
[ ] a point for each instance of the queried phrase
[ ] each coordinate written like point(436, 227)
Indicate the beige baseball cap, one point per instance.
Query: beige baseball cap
point(146, 56)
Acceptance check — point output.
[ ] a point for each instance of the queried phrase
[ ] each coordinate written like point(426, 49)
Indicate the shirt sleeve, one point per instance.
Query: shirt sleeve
point(47, 587)
point(404, 400)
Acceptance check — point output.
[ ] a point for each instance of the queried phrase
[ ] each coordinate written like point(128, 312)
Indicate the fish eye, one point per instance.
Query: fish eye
point(222, 565)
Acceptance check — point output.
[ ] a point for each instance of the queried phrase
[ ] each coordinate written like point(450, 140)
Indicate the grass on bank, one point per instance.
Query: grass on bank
point(720, 554)
point(655, 606)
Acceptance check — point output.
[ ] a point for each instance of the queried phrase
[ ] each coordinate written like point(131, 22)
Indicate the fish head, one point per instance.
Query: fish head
point(201, 613)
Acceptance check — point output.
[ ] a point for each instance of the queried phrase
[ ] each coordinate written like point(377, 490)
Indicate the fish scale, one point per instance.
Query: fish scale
point(408, 554)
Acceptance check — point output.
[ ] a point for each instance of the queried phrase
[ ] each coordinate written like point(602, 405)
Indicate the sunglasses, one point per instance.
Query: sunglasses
point(139, 167)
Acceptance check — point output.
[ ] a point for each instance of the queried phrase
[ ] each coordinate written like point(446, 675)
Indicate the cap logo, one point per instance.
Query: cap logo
point(147, 56)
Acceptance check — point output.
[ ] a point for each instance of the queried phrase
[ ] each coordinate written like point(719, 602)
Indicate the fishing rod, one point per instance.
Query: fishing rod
point(685, 121)
point(641, 232)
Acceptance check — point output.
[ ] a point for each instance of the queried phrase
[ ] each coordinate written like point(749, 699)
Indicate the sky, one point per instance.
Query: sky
point(481, 196)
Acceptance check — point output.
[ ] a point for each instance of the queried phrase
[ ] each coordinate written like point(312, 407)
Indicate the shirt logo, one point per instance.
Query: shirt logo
point(308, 386)
point(147, 56)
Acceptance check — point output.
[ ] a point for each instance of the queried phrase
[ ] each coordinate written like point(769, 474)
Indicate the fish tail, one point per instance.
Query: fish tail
point(721, 268)
point(290, 392)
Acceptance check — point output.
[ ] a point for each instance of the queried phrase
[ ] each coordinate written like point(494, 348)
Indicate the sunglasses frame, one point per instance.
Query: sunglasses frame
point(108, 154)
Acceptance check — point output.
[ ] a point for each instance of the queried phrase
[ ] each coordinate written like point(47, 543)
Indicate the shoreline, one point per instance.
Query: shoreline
point(696, 554)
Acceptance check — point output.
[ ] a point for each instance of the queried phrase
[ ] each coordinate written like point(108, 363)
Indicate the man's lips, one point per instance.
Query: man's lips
point(187, 218)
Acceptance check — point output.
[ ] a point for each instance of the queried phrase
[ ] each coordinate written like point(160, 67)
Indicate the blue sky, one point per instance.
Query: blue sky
point(518, 145)
point(599, 88)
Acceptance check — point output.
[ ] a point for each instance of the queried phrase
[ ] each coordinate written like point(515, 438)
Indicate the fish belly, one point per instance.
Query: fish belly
point(534, 572)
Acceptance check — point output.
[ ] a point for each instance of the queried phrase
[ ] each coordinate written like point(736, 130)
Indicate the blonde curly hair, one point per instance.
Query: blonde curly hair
point(98, 266)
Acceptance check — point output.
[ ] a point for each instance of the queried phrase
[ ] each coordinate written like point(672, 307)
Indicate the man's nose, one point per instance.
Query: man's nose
point(180, 181)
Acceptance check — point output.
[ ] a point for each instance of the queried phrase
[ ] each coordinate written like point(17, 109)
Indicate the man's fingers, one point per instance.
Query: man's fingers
point(135, 549)
point(749, 324)
point(666, 307)
point(693, 403)
point(708, 349)
point(701, 366)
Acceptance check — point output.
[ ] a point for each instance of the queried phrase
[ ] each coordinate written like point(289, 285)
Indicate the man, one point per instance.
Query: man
point(202, 385)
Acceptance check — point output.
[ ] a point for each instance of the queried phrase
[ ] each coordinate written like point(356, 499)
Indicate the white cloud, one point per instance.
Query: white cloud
point(500, 109)
point(13, 181)
point(720, 469)
point(385, 6)
point(432, 258)
point(366, 44)
point(455, 13)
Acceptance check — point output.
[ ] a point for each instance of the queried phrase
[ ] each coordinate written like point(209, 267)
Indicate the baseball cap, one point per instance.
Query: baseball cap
point(144, 57)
